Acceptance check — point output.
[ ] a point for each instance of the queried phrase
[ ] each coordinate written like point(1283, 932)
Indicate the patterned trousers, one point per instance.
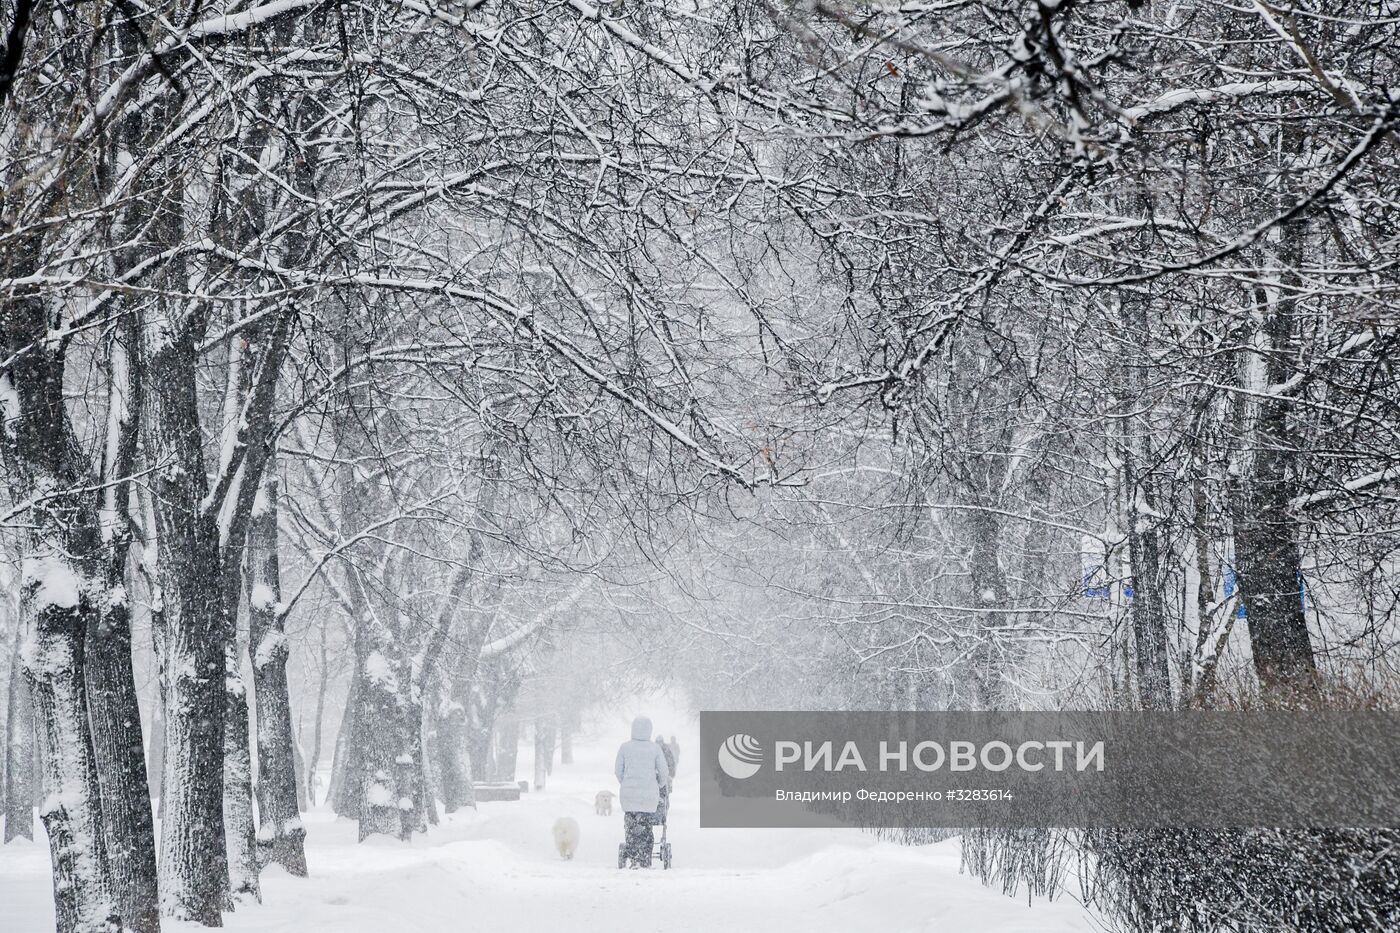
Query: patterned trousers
point(637, 826)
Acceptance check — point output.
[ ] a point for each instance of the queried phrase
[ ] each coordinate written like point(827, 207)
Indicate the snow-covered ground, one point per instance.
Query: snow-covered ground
point(496, 870)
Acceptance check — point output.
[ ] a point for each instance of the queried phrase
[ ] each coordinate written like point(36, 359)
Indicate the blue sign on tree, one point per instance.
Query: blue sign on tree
point(1240, 612)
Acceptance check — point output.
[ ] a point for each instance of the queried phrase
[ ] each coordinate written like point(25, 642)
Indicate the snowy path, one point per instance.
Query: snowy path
point(496, 870)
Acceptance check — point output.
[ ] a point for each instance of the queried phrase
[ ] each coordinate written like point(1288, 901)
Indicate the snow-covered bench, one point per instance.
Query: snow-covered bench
point(486, 791)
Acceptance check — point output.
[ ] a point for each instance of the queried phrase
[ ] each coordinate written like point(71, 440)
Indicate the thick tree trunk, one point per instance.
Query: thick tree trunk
point(20, 790)
point(193, 863)
point(96, 806)
point(255, 355)
point(1148, 609)
point(376, 746)
point(113, 709)
point(388, 740)
point(454, 757)
point(507, 751)
point(493, 743)
point(421, 811)
point(121, 767)
point(72, 812)
point(240, 832)
point(200, 535)
point(62, 588)
point(281, 834)
point(1267, 562)
point(426, 801)
point(1268, 566)
point(72, 808)
point(384, 743)
point(201, 529)
point(990, 689)
point(481, 745)
point(480, 712)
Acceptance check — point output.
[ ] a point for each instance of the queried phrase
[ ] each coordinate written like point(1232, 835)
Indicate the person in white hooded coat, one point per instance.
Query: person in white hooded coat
point(641, 773)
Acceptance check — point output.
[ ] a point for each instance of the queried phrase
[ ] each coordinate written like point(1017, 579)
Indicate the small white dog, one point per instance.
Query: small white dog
point(566, 836)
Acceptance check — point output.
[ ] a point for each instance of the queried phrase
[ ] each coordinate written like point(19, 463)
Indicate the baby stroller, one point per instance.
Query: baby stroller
point(661, 848)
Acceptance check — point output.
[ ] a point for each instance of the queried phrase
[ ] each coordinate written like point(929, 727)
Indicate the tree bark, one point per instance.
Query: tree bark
point(481, 744)
point(1268, 566)
point(113, 708)
point(239, 829)
point(1267, 562)
point(1148, 610)
point(121, 770)
point(378, 748)
point(193, 863)
point(281, 835)
point(507, 753)
point(426, 802)
point(388, 747)
point(72, 808)
point(62, 589)
point(988, 663)
point(454, 757)
point(200, 532)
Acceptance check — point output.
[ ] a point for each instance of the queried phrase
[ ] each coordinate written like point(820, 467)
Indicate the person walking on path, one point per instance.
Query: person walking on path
point(642, 773)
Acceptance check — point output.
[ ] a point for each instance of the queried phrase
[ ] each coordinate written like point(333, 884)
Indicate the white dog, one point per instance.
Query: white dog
point(566, 836)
